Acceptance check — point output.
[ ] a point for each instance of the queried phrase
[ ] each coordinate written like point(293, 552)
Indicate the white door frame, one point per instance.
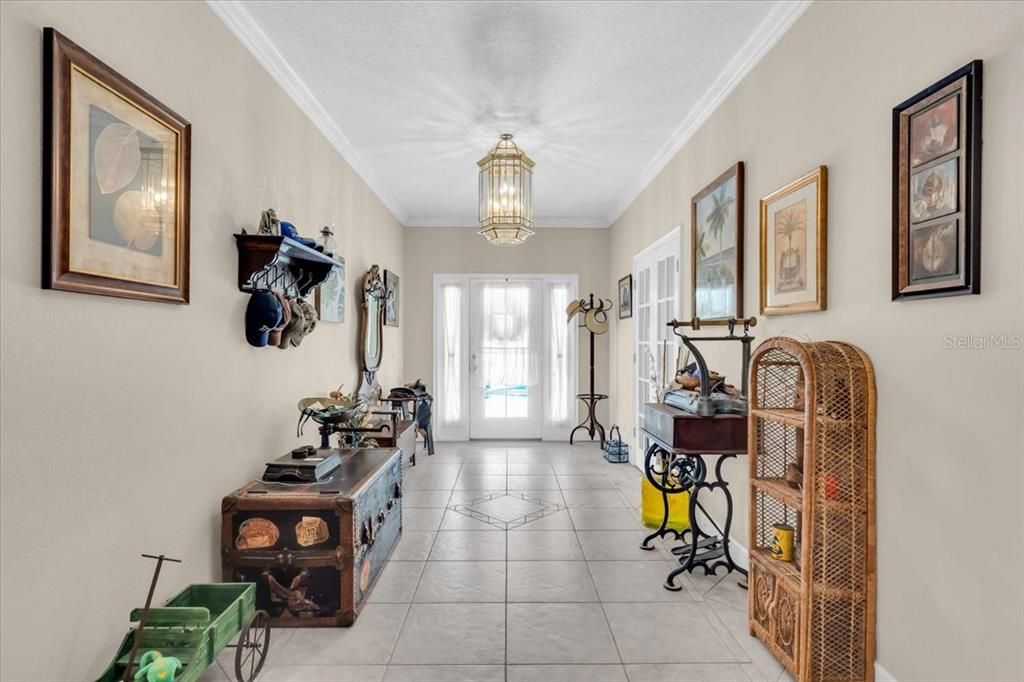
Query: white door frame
point(460, 431)
point(675, 236)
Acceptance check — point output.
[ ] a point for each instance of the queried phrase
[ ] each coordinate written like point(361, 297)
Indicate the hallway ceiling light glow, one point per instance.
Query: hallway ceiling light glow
point(506, 194)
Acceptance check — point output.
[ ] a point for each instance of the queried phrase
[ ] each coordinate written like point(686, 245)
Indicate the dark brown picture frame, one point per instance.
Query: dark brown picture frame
point(392, 300)
point(626, 312)
point(60, 57)
point(943, 239)
point(737, 171)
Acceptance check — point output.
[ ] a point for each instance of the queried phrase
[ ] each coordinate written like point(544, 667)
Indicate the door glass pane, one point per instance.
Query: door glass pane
point(505, 350)
point(668, 283)
point(664, 317)
point(641, 391)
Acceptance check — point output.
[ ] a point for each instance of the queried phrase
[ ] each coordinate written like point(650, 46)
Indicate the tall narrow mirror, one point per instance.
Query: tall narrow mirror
point(372, 341)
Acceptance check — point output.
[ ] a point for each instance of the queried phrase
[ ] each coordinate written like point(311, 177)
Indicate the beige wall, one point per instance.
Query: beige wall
point(949, 423)
point(432, 250)
point(125, 422)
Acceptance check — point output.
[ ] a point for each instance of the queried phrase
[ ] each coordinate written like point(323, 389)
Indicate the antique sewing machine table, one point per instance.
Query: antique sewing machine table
point(674, 464)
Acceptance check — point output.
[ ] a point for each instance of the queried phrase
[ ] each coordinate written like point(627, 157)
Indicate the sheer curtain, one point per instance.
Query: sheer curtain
point(560, 357)
point(452, 353)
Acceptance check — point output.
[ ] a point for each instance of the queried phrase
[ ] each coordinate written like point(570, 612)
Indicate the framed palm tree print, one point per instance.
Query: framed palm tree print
point(794, 254)
point(716, 247)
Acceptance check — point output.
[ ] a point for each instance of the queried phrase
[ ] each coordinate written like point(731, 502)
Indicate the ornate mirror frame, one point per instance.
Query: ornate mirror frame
point(371, 342)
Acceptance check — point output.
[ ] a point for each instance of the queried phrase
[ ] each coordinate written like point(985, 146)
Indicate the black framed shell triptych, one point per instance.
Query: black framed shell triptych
point(936, 193)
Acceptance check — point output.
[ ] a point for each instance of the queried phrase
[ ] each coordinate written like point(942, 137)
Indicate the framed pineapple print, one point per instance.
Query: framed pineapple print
point(936, 196)
point(716, 248)
point(794, 246)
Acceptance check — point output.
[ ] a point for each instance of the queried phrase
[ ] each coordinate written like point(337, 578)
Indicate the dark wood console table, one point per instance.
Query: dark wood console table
point(674, 464)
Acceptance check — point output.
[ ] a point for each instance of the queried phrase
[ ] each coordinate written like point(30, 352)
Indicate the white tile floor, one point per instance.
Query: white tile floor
point(519, 561)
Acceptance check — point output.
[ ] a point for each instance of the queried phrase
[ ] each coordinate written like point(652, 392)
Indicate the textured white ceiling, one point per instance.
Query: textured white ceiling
point(599, 94)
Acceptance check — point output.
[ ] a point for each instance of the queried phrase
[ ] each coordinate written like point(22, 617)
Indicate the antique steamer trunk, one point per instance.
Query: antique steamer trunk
point(315, 550)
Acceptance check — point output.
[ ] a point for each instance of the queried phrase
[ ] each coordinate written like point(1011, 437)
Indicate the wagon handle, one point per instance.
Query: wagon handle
point(137, 639)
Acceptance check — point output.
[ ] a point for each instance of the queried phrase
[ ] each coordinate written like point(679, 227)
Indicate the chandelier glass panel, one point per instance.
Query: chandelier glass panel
point(506, 198)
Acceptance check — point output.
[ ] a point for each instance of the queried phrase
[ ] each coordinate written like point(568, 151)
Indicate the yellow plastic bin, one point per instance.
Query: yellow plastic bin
point(652, 510)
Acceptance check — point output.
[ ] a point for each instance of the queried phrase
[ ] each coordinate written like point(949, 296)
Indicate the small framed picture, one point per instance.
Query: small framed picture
point(936, 193)
point(391, 293)
point(794, 246)
point(330, 296)
point(716, 247)
point(626, 297)
point(116, 182)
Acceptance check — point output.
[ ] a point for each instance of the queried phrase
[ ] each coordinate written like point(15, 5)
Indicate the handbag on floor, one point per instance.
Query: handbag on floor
point(615, 450)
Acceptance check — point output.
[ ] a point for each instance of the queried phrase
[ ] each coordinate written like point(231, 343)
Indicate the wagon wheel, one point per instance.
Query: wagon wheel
point(252, 647)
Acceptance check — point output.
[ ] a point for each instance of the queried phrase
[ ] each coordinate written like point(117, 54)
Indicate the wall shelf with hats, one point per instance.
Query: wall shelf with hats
point(280, 272)
point(282, 264)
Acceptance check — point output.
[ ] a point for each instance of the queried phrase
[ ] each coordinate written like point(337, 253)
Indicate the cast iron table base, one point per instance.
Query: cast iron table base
point(674, 473)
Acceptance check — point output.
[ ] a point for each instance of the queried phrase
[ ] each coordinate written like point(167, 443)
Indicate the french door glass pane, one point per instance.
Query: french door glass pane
point(505, 351)
point(667, 277)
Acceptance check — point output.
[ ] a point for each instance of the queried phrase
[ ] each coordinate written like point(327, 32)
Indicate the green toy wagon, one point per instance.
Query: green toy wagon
point(197, 624)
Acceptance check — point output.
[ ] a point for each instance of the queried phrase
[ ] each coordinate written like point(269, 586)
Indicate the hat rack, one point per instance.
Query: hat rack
point(276, 263)
point(594, 312)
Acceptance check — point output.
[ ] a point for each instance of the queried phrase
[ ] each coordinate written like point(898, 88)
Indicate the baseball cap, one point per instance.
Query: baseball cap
point(262, 314)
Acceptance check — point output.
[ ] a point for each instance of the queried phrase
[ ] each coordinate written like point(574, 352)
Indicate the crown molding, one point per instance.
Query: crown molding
point(238, 20)
point(464, 222)
point(771, 29)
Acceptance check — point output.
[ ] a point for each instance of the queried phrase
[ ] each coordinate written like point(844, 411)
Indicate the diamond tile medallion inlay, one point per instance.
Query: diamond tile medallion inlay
point(507, 510)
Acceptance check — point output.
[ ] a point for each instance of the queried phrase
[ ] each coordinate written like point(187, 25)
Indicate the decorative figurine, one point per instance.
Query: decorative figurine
point(269, 224)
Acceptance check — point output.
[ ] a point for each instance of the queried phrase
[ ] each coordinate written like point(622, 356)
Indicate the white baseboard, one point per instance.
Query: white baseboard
point(882, 675)
point(742, 558)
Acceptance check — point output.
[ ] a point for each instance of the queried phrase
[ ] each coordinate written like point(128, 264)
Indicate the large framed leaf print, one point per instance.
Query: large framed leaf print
point(116, 182)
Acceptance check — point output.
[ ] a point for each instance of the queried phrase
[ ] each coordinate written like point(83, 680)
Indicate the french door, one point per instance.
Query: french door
point(506, 332)
point(504, 357)
point(656, 300)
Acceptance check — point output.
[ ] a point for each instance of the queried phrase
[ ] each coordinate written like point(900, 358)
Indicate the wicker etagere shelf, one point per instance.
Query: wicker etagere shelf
point(813, 405)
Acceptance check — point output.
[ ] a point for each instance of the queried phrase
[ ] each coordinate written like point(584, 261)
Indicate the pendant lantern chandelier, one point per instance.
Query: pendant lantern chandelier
point(506, 198)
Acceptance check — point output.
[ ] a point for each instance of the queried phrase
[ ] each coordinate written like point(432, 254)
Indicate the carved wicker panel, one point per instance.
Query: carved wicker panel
point(785, 624)
point(761, 586)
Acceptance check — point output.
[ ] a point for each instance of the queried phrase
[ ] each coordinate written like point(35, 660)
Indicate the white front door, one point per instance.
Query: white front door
point(506, 398)
point(656, 296)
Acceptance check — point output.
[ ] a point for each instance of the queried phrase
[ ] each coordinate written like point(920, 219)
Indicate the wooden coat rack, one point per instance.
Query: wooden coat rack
point(595, 313)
